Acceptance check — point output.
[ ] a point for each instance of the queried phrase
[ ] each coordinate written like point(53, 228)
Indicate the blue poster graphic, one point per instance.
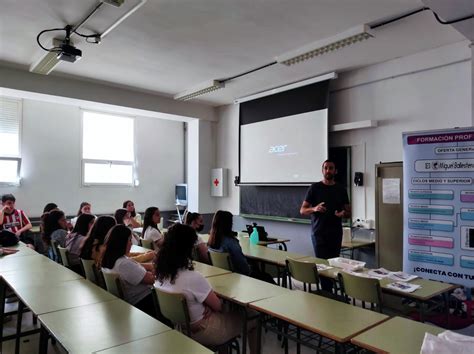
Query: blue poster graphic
point(438, 225)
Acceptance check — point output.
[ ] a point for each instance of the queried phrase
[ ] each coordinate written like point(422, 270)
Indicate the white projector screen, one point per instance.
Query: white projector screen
point(284, 150)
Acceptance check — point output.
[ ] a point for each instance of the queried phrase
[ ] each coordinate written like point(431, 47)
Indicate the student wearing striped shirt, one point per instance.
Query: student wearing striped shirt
point(14, 220)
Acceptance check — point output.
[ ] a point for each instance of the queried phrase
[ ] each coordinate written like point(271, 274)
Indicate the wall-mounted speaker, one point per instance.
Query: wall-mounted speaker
point(358, 179)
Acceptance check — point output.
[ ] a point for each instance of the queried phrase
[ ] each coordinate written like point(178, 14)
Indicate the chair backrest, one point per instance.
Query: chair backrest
point(113, 284)
point(174, 307)
point(361, 288)
point(54, 249)
point(147, 244)
point(305, 272)
point(220, 260)
point(88, 268)
point(64, 253)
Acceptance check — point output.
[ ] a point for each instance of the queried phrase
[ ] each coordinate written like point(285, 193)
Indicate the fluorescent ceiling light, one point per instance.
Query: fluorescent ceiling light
point(202, 89)
point(326, 45)
point(45, 64)
point(48, 61)
point(294, 85)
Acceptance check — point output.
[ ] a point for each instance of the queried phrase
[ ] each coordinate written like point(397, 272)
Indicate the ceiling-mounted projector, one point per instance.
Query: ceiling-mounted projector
point(69, 53)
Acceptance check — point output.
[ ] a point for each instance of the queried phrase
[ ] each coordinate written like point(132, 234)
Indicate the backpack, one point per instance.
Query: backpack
point(8, 239)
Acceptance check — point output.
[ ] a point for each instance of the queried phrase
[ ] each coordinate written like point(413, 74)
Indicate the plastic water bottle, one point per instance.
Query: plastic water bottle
point(254, 236)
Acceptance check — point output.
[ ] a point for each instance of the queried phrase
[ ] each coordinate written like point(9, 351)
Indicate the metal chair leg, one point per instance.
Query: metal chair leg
point(19, 319)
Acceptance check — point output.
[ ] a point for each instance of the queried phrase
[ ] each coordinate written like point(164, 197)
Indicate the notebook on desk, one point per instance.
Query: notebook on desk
point(262, 234)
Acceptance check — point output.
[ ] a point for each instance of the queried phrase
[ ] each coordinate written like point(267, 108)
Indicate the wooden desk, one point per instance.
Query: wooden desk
point(167, 342)
point(397, 336)
point(429, 288)
point(10, 262)
point(48, 274)
point(329, 318)
point(243, 238)
point(267, 255)
point(139, 249)
point(95, 327)
point(209, 271)
point(63, 295)
point(23, 250)
point(354, 244)
point(243, 290)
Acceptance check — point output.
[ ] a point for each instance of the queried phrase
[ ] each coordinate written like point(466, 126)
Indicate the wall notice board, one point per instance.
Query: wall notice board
point(284, 202)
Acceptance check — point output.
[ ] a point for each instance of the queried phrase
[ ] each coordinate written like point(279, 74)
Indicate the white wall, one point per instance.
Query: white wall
point(227, 155)
point(201, 158)
point(428, 90)
point(51, 162)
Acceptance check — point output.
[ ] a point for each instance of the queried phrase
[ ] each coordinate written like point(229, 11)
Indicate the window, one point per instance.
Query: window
point(10, 123)
point(107, 149)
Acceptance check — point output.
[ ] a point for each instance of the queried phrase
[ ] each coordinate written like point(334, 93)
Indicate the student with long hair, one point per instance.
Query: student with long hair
point(210, 326)
point(196, 221)
point(223, 239)
point(84, 208)
point(135, 218)
point(122, 217)
point(150, 226)
point(92, 244)
point(137, 279)
point(75, 239)
point(54, 228)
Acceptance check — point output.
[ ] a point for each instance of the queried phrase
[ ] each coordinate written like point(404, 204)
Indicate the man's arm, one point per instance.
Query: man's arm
point(307, 209)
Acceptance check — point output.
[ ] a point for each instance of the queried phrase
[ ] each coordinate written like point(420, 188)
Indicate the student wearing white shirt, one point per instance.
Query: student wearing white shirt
point(136, 278)
point(135, 218)
point(210, 326)
point(150, 226)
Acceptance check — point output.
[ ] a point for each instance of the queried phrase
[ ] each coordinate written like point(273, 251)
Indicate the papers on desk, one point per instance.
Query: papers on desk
point(397, 276)
point(402, 276)
point(323, 267)
point(379, 273)
point(404, 287)
point(346, 264)
point(447, 342)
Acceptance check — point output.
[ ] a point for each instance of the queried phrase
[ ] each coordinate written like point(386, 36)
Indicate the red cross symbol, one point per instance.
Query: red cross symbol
point(216, 182)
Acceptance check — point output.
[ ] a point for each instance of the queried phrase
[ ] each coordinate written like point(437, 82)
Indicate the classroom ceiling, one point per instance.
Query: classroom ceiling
point(168, 46)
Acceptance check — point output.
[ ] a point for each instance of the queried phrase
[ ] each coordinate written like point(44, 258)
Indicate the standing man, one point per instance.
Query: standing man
point(327, 203)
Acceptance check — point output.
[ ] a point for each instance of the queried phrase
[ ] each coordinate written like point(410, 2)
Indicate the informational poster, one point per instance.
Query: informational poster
point(438, 231)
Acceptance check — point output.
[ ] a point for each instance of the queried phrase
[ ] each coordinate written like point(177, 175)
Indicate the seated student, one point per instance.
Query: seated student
point(92, 244)
point(150, 226)
point(54, 227)
point(15, 220)
point(210, 326)
point(122, 217)
point(75, 239)
point(84, 208)
point(49, 207)
point(135, 218)
point(223, 239)
point(137, 279)
point(196, 221)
